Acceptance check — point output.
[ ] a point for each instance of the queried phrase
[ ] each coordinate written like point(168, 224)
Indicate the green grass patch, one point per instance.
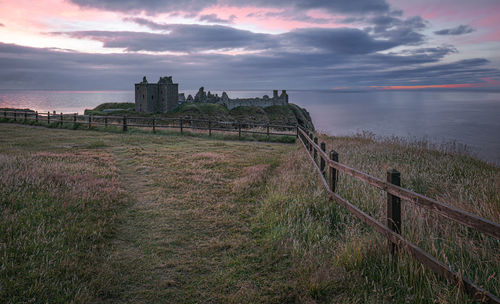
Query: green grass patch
point(58, 213)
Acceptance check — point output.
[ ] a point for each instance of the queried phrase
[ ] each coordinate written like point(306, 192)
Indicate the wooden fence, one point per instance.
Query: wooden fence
point(154, 123)
point(392, 229)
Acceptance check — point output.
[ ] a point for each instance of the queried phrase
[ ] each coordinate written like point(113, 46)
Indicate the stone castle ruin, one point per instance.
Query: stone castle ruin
point(164, 97)
point(156, 97)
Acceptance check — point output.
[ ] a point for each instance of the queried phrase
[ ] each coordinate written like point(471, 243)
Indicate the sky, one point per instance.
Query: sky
point(344, 45)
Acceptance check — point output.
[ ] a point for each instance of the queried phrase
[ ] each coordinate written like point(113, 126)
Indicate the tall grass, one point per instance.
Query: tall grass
point(57, 212)
point(340, 258)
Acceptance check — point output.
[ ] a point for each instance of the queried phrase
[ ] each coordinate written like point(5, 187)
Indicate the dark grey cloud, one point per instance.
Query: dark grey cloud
point(335, 41)
point(151, 6)
point(167, 6)
point(25, 67)
point(459, 30)
point(180, 38)
point(150, 24)
point(213, 18)
point(191, 38)
point(405, 31)
point(290, 15)
point(2, 25)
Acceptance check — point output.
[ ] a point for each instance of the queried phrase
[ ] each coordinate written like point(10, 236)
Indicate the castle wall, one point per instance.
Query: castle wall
point(164, 97)
point(254, 102)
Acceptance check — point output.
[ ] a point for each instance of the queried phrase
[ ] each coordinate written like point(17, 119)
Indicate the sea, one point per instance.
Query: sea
point(466, 119)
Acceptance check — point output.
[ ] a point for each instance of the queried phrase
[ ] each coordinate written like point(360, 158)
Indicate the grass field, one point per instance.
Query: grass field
point(142, 218)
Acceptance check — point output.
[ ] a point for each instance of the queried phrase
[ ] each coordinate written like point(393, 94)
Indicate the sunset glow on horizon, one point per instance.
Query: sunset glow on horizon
point(81, 44)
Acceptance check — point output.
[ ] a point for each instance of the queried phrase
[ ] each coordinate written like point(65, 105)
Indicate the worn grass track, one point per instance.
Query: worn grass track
point(186, 233)
point(188, 236)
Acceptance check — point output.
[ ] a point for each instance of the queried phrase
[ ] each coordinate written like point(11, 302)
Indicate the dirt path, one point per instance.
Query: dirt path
point(188, 235)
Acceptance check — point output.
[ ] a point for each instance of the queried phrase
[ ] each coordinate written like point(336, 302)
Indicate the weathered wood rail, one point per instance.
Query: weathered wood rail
point(154, 123)
point(392, 229)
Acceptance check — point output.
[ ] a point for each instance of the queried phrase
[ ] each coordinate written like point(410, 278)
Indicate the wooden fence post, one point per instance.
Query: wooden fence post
point(393, 207)
point(90, 121)
point(297, 131)
point(48, 117)
point(239, 130)
point(25, 116)
point(322, 160)
point(74, 120)
point(36, 116)
point(15, 115)
point(154, 125)
point(106, 122)
point(306, 141)
point(5, 114)
point(61, 118)
point(180, 121)
point(333, 172)
point(124, 123)
point(310, 144)
point(209, 128)
point(267, 131)
point(315, 150)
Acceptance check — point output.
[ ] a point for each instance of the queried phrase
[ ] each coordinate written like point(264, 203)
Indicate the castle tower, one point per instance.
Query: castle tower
point(284, 96)
point(168, 94)
point(156, 97)
point(275, 94)
point(146, 96)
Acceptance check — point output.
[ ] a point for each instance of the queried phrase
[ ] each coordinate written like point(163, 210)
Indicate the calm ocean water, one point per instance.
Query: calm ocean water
point(468, 118)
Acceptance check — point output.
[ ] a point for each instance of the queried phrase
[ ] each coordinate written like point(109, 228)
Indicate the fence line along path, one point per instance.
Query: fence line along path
point(154, 123)
point(392, 230)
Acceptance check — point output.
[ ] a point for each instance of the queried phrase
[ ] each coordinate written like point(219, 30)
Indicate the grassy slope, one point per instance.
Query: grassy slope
point(212, 221)
point(284, 115)
point(340, 259)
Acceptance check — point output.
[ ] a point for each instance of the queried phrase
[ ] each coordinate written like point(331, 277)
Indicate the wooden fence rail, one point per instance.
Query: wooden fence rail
point(392, 229)
point(156, 123)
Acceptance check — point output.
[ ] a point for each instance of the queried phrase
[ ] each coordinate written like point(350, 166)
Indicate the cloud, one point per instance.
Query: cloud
point(2, 25)
point(168, 6)
point(192, 38)
point(180, 38)
point(405, 31)
point(459, 30)
point(150, 24)
point(25, 67)
point(213, 18)
point(335, 41)
point(150, 6)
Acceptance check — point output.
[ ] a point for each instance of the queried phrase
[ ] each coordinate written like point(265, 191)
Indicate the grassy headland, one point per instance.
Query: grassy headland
point(184, 219)
point(281, 115)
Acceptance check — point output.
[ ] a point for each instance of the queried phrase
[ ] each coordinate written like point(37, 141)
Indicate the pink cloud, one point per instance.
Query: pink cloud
point(39, 16)
point(256, 17)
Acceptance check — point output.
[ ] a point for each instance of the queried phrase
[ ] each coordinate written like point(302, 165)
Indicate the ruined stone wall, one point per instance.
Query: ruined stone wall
point(253, 102)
